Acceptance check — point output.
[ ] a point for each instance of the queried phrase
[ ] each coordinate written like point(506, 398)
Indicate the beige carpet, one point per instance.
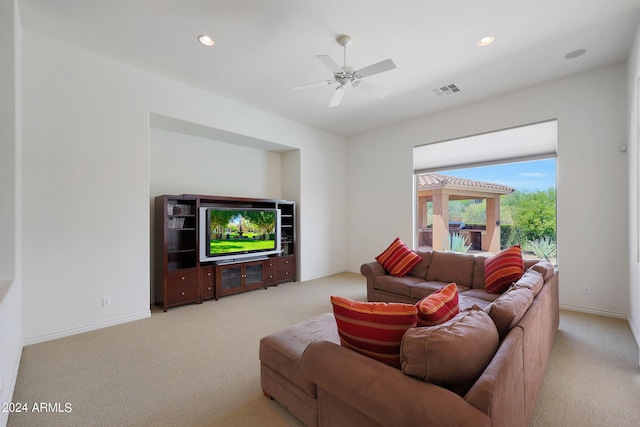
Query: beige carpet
point(593, 377)
point(198, 366)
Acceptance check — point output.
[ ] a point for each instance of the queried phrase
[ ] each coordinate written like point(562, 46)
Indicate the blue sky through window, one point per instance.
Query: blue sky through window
point(528, 176)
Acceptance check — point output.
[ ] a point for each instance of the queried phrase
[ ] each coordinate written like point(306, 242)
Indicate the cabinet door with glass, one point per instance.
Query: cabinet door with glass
point(234, 278)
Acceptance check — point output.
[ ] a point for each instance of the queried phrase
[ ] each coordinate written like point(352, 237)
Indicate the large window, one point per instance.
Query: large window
point(491, 204)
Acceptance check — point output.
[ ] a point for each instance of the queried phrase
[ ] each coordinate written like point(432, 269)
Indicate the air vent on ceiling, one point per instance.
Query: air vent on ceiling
point(446, 90)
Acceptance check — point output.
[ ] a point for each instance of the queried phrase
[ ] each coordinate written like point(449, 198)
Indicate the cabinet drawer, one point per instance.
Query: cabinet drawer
point(182, 286)
point(206, 282)
point(181, 277)
point(286, 275)
point(286, 262)
point(270, 272)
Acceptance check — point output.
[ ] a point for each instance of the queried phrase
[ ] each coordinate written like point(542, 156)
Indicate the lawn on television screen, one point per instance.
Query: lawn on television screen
point(218, 247)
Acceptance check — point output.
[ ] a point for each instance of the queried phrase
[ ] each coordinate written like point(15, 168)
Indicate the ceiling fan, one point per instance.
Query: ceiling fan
point(345, 76)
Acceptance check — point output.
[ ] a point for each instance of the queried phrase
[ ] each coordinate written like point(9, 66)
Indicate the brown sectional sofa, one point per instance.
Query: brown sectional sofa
point(306, 370)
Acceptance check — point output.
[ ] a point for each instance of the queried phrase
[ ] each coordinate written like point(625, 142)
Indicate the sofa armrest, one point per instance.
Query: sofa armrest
point(384, 393)
point(371, 270)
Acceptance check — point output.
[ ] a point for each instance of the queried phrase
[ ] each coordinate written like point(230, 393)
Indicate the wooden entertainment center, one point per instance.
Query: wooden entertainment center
point(181, 277)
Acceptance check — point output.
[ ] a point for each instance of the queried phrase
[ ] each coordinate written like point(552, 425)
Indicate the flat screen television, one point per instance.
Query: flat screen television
point(230, 234)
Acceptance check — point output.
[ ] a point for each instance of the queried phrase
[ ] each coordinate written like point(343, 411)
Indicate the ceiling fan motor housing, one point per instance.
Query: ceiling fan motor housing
point(346, 76)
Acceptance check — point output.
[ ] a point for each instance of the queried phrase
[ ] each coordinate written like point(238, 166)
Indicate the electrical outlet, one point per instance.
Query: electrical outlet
point(106, 301)
point(587, 290)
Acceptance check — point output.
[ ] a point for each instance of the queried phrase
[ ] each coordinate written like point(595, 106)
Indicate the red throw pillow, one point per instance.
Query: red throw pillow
point(398, 259)
point(374, 329)
point(440, 306)
point(502, 269)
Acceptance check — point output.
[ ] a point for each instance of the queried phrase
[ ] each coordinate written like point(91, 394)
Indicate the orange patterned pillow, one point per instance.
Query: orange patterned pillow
point(374, 329)
point(398, 259)
point(440, 306)
point(502, 269)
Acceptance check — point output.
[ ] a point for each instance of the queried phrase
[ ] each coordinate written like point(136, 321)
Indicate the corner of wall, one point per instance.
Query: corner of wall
point(633, 144)
point(11, 334)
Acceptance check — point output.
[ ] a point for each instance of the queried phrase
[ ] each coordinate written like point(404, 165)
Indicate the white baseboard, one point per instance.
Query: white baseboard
point(596, 311)
point(86, 328)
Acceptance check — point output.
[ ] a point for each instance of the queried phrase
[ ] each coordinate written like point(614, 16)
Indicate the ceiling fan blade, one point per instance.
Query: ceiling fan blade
point(376, 68)
point(329, 63)
point(372, 90)
point(337, 96)
point(314, 84)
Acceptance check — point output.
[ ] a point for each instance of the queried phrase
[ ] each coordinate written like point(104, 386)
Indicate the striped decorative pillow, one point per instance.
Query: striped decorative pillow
point(502, 269)
point(440, 306)
point(374, 329)
point(398, 259)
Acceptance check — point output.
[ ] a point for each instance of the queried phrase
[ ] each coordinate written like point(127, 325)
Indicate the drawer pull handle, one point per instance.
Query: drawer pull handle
point(182, 277)
point(209, 274)
point(182, 293)
point(209, 288)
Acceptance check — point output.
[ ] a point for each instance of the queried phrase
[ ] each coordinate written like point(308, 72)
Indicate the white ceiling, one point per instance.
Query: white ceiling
point(264, 47)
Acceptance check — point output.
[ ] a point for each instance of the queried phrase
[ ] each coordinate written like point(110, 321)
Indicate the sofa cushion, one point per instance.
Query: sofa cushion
point(466, 302)
point(502, 269)
point(480, 294)
point(453, 354)
point(374, 329)
point(398, 259)
point(438, 307)
point(478, 272)
point(281, 352)
point(397, 285)
point(544, 267)
point(507, 310)
point(451, 267)
point(424, 289)
point(420, 270)
point(531, 279)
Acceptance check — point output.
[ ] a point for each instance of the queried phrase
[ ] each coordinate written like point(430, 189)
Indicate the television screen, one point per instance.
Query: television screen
point(240, 231)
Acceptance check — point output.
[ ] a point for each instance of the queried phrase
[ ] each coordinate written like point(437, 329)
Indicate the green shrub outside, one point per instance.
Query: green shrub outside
point(525, 216)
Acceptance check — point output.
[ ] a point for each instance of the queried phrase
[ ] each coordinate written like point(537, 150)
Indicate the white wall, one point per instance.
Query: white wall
point(633, 81)
point(183, 163)
point(87, 183)
point(322, 201)
point(10, 196)
point(592, 179)
point(85, 192)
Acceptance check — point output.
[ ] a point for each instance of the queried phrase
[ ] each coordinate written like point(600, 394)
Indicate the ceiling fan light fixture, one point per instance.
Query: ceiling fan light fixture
point(205, 40)
point(485, 41)
point(345, 81)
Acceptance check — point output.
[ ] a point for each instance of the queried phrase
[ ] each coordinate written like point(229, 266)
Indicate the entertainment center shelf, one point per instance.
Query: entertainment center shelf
point(207, 247)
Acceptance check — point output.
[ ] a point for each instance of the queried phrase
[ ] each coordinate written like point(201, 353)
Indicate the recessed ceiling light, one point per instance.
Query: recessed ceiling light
point(205, 40)
point(485, 41)
point(575, 54)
